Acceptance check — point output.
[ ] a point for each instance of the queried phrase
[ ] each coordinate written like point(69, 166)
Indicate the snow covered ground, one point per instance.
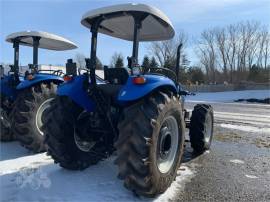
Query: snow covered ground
point(28, 177)
point(239, 117)
point(246, 128)
point(34, 177)
point(228, 96)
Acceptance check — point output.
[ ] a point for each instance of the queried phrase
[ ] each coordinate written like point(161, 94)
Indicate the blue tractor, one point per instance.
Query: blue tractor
point(25, 95)
point(139, 114)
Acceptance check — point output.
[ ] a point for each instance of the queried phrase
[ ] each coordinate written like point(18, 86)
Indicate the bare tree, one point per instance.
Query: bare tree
point(165, 51)
point(265, 46)
point(231, 53)
point(207, 52)
point(223, 48)
point(80, 60)
point(234, 49)
point(247, 43)
point(116, 58)
point(204, 59)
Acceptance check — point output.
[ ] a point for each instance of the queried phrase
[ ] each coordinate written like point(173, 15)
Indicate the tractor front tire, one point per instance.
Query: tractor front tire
point(150, 144)
point(27, 118)
point(201, 127)
point(59, 130)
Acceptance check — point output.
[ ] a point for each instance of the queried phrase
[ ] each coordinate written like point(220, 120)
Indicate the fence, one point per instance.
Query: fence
point(227, 87)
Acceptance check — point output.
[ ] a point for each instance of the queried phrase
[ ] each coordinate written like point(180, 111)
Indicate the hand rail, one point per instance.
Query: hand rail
point(54, 72)
point(163, 71)
point(88, 71)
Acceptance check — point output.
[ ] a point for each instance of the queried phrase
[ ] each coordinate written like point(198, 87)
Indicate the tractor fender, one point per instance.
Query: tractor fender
point(132, 92)
point(38, 78)
point(74, 89)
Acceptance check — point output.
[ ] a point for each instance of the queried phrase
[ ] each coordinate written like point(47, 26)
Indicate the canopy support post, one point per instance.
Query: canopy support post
point(16, 44)
point(137, 26)
point(138, 19)
point(15, 69)
point(93, 54)
point(35, 51)
point(91, 65)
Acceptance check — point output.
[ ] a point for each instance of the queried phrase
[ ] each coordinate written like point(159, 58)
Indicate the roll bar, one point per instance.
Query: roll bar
point(16, 46)
point(138, 19)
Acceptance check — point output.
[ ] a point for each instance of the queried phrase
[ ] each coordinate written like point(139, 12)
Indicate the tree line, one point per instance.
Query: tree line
point(231, 54)
point(235, 53)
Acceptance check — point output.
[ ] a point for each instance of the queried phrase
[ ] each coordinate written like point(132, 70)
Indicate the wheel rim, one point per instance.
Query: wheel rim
point(82, 144)
point(209, 129)
point(4, 119)
point(41, 109)
point(167, 144)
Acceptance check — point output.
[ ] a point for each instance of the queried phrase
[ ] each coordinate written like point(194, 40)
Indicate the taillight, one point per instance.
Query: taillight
point(139, 80)
point(67, 78)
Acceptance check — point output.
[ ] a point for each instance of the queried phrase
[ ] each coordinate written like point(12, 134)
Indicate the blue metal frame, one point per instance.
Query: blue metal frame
point(131, 91)
point(7, 89)
point(74, 89)
point(10, 91)
point(38, 78)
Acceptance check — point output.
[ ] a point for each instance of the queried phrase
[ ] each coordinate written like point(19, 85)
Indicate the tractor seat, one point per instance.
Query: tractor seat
point(118, 76)
point(110, 90)
point(115, 78)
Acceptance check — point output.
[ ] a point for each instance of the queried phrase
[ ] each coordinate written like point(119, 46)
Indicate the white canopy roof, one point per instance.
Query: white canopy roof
point(47, 40)
point(156, 26)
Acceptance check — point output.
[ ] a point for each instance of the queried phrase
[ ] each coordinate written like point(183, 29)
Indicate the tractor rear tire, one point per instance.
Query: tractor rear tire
point(147, 140)
point(201, 127)
point(6, 134)
point(58, 128)
point(27, 118)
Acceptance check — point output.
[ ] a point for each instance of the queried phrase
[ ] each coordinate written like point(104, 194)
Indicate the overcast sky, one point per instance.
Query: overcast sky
point(62, 17)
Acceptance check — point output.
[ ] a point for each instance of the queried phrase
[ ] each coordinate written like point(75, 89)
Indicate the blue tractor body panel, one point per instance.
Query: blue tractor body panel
point(7, 88)
point(129, 92)
point(74, 90)
point(39, 77)
point(11, 91)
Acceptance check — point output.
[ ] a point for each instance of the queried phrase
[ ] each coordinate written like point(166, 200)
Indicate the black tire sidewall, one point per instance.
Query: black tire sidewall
point(33, 114)
point(36, 95)
point(198, 127)
point(137, 144)
point(163, 180)
point(208, 144)
point(59, 135)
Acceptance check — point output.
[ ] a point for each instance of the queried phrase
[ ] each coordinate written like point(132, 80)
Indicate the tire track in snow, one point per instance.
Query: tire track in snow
point(258, 120)
point(250, 119)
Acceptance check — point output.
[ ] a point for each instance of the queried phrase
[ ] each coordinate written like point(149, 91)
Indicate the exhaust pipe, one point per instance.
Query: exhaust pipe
point(178, 61)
